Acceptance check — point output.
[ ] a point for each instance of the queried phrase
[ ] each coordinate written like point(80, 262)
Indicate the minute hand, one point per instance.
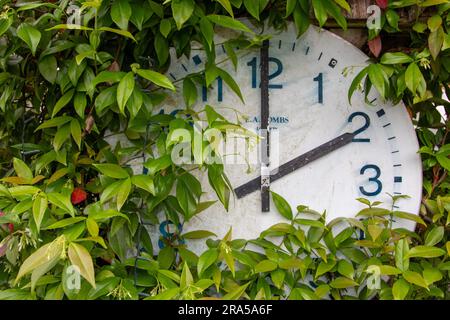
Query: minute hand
point(296, 163)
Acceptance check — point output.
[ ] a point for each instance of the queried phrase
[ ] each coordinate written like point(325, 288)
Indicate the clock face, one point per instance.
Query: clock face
point(309, 80)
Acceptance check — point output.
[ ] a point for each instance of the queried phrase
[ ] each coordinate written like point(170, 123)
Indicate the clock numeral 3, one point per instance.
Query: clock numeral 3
point(363, 128)
point(373, 179)
point(254, 65)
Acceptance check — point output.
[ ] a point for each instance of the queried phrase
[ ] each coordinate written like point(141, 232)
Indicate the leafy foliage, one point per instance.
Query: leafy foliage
point(73, 74)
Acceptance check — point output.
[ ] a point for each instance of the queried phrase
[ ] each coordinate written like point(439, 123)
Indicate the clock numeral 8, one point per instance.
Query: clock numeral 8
point(373, 179)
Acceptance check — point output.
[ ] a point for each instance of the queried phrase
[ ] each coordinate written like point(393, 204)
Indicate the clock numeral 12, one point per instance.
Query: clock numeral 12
point(319, 80)
point(373, 179)
point(254, 65)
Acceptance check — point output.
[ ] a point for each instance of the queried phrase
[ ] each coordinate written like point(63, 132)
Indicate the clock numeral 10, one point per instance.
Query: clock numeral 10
point(363, 128)
point(254, 65)
point(319, 80)
point(373, 179)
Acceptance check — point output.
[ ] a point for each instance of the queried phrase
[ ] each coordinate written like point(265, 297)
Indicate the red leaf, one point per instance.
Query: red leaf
point(11, 227)
point(382, 3)
point(78, 196)
point(375, 46)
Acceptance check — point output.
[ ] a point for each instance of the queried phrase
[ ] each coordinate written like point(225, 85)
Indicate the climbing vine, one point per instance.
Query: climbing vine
point(73, 73)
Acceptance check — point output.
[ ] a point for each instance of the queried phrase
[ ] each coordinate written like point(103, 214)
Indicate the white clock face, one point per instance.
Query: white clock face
point(308, 107)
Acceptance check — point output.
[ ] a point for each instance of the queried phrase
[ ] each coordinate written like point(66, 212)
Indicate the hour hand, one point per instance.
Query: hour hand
point(296, 163)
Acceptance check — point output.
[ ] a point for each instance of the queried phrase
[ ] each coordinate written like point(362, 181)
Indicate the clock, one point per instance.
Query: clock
point(324, 152)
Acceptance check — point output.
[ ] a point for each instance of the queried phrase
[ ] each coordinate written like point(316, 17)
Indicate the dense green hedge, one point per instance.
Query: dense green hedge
point(67, 198)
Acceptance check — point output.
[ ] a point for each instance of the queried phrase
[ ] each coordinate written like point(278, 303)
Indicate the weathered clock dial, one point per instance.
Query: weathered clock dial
point(309, 78)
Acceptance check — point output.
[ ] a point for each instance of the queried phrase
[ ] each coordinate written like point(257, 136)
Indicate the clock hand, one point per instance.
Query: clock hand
point(296, 163)
point(265, 162)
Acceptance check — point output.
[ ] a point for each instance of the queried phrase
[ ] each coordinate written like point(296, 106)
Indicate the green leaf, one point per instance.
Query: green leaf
point(75, 130)
point(425, 252)
point(157, 78)
point(182, 11)
point(189, 92)
point(401, 255)
point(123, 192)
point(320, 12)
point(79, 103)
point(62, 102)
point(21, 169)
point(228, 22)
point(30, 35)
point(435, 42)
point(121, 13)
point(227, 6)
point(156, 165)
point(414, 79)
point(379, 79)
point(282, 206)
point(61, 136)
point(55, 122)
point(373, 212)
point(346, 269)
point(92, 227)
point(107, 214)
point(165, 26)
point(80, 257)
point(108, 76)
point(70, 27)
point(62, 202)
point(434, 236)
point(355, 83)
point(408, 216)
point(124, 90)
point(400, 289)
point(206, 259)
point(39, 206)
point(415, 278)
point(105, 98)
point(434, 22)
point(265, 266)
point(144, 182)
point(186, 279)
point(112, 170)
point(396, 58)
point(48, 68)
point(324, 267)
point(124, 33)
point(343, 283)
point(198, 234)
point(231, 83)
point(41, 256)
point(236, 293)
point(207, 30)
point(64, 223)
point(336, 13)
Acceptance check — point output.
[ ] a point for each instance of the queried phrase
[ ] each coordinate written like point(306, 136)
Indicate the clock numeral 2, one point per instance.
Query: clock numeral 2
point(363, 128)
point(254, 65)
point(373, 179)
point(319, 80)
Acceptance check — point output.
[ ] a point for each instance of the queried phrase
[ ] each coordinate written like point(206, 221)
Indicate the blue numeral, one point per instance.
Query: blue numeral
point(254, 65)
point(319, 80)
point(364, 127)
point(219, 91)
point(372, 179)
